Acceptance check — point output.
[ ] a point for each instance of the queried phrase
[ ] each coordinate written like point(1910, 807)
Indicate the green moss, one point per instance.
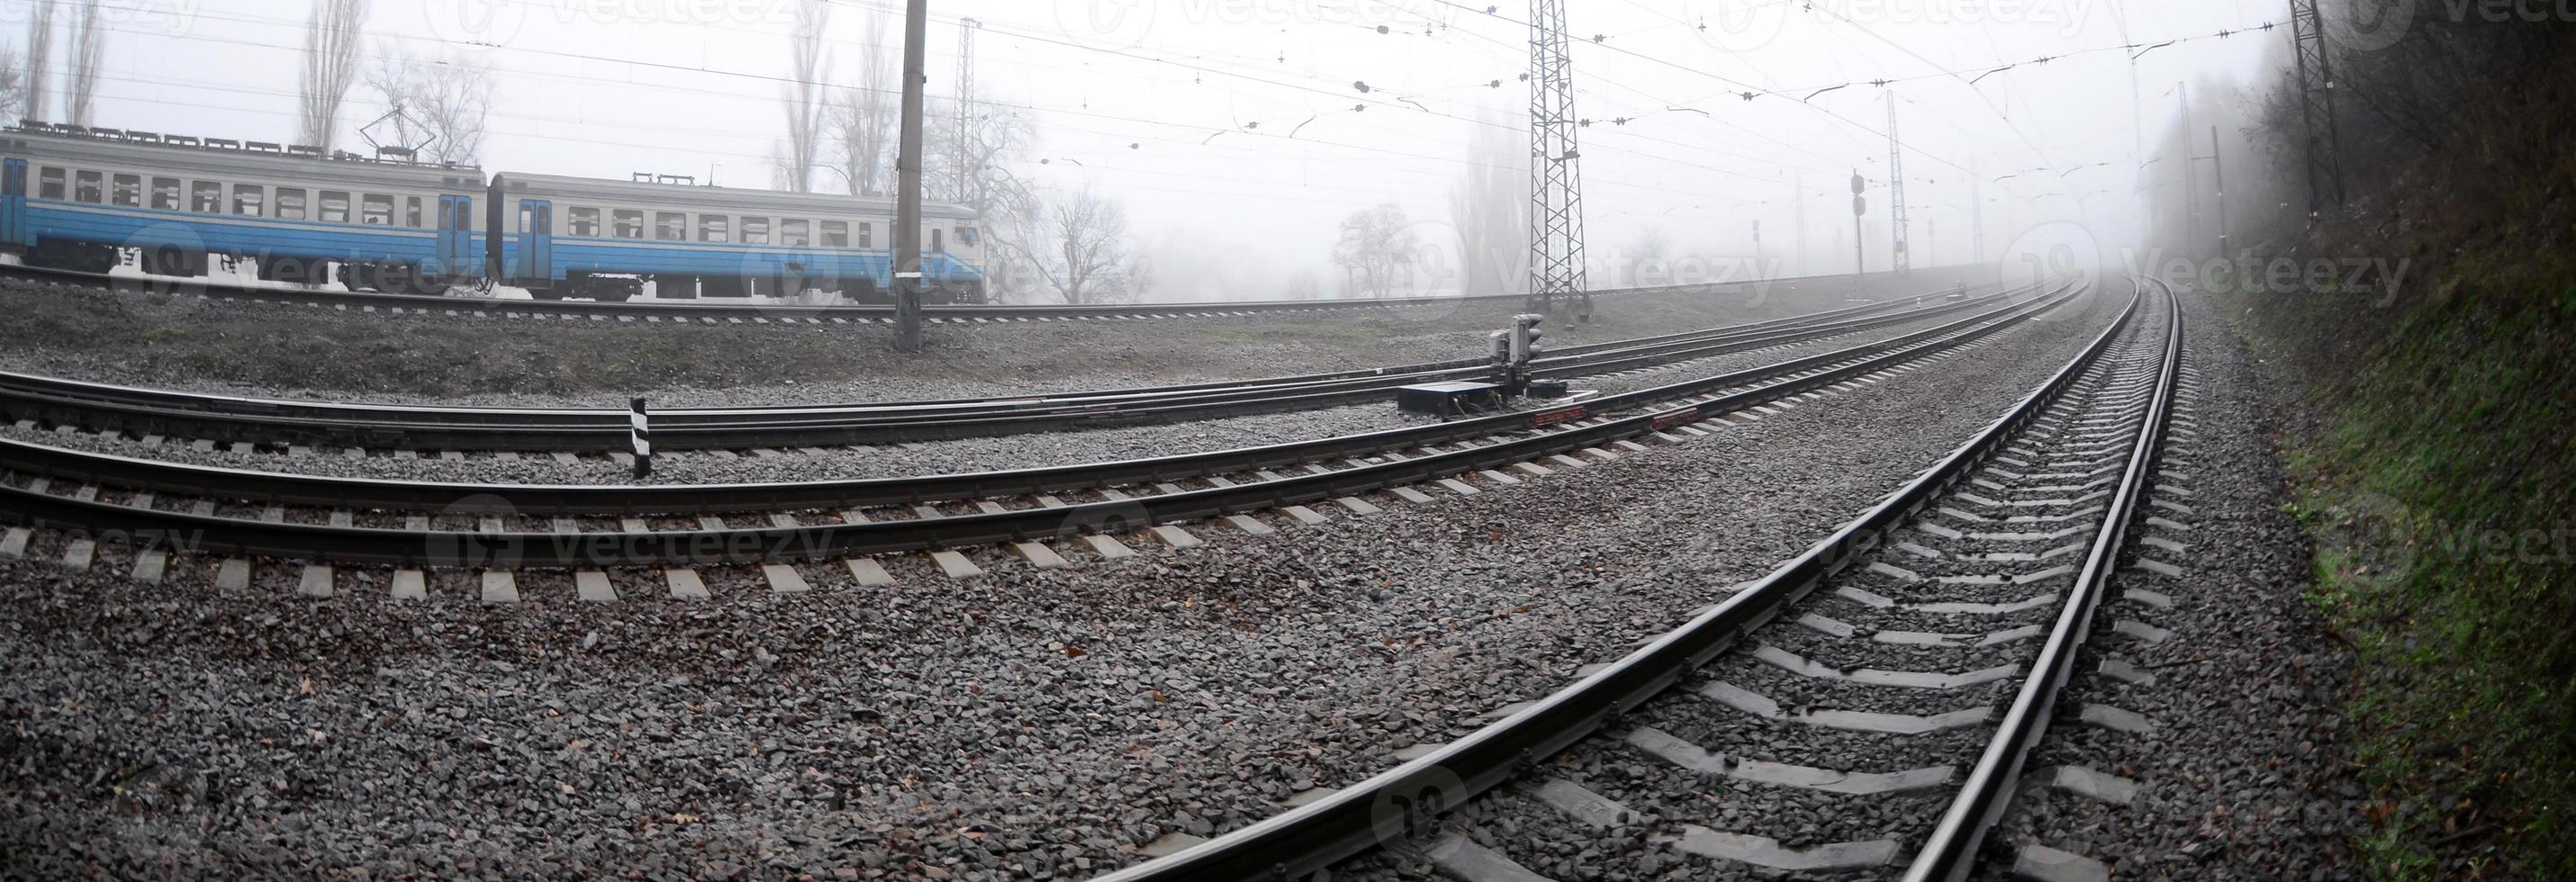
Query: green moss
point(2437, 488)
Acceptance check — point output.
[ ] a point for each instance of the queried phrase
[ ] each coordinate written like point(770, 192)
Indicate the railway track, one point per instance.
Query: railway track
point(756, 313)
point(159, 507)
point(95, 407)
point(1864, 709)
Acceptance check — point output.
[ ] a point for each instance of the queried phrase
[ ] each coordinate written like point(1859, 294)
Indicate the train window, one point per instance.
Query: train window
point(670, 226)
point(248, 199)
point(165, 194)
point(126, 190)
point(795, 233)
point(334, 207)
point(90, 187)
point(713, 227)
point(581, 221)
point(626, 224)
point(836, 234)
point(377, 209)
point(968, 237)
point(206, 197)
point(49, 183)
point(411, 212)
point(755, 231)
point(867, 235)
point(290, 203)
point(938, 243)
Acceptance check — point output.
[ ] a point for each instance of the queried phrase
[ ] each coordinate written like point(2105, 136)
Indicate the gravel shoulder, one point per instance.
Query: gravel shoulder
point(2246, 774)
point(920, 458)
point(1037, 723)
point(298, 352)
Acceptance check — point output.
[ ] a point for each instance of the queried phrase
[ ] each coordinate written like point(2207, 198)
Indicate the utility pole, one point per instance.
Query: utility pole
point(2218, 168)
point(966, 29)
point(1556, 179)
point(1904, 262)
point(1976, 213)
point(907, 212)
point(2190, 180)
point(2316, 106)
point(1798, 193)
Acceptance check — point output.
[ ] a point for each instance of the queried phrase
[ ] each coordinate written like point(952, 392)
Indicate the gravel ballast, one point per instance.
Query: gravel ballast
point(299, 352)
point(919, 458)
point(1028, 723)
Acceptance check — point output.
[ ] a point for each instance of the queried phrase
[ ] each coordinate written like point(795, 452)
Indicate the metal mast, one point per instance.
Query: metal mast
point(1896, 190)
point(2316, 106)
point(1556, 179)
point(964, 146)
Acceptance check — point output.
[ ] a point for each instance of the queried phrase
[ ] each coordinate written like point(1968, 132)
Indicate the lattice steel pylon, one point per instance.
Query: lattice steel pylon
point(2316, 106)
point(1556, 177)
point(1904, 263)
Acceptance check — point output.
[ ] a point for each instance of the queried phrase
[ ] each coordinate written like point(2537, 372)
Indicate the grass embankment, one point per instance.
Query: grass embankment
point(2436, 480)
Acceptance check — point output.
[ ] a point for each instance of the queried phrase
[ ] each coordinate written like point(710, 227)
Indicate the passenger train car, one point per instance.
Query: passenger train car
point(72, 197)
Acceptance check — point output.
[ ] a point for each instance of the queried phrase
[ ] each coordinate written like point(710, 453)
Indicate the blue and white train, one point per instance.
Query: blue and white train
point(73, 198)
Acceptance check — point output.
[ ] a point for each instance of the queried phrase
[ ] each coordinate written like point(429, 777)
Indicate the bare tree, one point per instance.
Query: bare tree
point(89, 42)
point(862, 120)
point(1375, 250)
point(1085, 258)
point(1303, 284)
point(805, 95)
point(448, 97)
point(330, 68)
point(1490, 208)
point(40, 55)
point(13, 85)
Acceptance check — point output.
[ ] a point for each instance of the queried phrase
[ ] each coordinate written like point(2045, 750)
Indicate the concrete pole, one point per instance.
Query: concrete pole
point(2218, 168)
point(907, 216)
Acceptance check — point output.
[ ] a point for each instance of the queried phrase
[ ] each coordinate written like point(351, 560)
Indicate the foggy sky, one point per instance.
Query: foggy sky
point(1209, 91)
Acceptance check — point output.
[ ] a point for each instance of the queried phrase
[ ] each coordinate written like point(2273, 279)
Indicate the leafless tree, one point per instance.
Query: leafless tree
point(863, 120)
point(1490, 207)
point(330, 68)
point(89, 42)
point(40, 55)
point(1085, 255)
point(449, 99)
point(805, 94)
point(13, 85)
point(1375, 250)
point(1303, 284)
point(973, 166)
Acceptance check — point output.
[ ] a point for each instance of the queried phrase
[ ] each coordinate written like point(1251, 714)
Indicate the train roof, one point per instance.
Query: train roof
point(217, 156)
point(683, 196)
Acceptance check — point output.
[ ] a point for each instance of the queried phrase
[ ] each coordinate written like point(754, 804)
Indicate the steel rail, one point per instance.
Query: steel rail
point(519, 549)
point(222, 418)
point(1401, 800)
point(207, 287)
point(156, 476)
point(1950, 852)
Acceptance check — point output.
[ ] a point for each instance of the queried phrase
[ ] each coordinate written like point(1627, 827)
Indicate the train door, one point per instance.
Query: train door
point(13, 204)
point(536, 240)
point(455, 236)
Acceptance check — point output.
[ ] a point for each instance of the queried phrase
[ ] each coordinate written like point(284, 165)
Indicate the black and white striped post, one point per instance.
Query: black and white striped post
point(642, 435)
